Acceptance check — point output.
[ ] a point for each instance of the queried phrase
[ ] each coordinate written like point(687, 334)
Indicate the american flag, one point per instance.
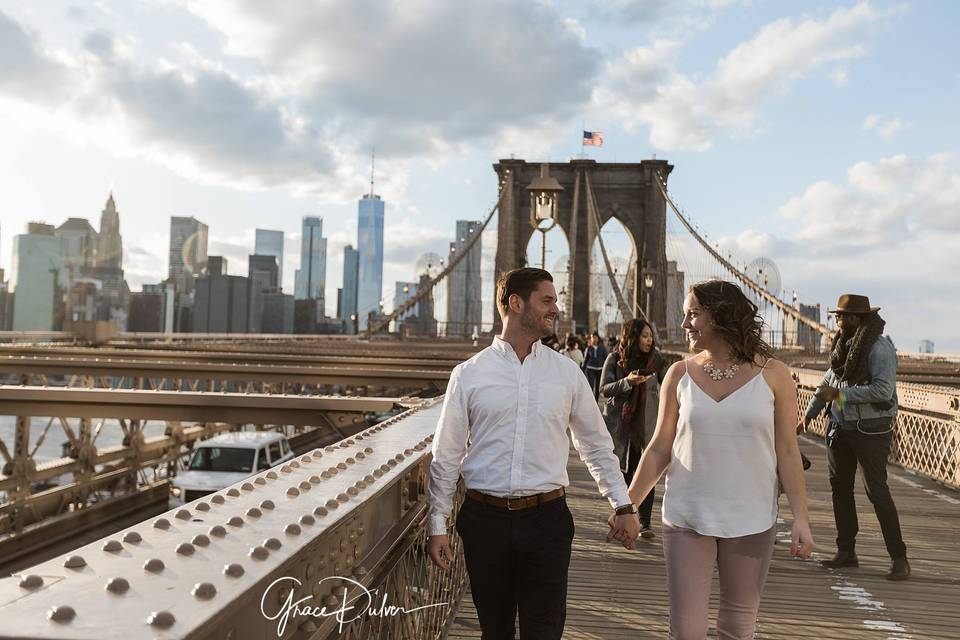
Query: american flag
point(594, 138)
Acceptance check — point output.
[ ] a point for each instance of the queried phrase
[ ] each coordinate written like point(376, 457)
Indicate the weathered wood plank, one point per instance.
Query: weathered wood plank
point(616, 594)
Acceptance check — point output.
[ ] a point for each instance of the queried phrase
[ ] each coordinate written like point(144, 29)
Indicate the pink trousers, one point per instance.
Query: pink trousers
point(742, 564)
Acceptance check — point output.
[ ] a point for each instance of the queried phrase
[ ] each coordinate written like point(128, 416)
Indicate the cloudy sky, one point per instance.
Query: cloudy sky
point(821, 135)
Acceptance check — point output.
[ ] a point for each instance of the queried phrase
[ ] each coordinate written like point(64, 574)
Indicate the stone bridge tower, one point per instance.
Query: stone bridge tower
point(626, 191)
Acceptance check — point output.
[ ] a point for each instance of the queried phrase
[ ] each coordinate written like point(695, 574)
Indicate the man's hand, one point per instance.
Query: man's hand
point(624, 529)
point(438, 547)
point(827, 394)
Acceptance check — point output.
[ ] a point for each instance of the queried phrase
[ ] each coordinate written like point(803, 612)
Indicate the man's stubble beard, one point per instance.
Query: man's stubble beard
point(531, 322)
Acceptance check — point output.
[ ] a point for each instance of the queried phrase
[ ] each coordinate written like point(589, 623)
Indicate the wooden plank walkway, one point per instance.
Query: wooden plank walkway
point(615, 593)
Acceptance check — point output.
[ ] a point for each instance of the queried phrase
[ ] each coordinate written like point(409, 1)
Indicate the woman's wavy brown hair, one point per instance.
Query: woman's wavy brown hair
point(735, 317)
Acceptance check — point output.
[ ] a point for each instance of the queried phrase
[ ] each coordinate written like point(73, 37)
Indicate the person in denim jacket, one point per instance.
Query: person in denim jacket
point(859, 391)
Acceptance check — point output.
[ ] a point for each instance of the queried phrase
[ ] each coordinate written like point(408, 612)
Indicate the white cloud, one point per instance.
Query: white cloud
point(685, 113)
point(886, 127)
point(839, 77)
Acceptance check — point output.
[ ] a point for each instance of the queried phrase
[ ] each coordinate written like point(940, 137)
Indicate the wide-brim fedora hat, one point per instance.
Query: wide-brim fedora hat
point(853, 303)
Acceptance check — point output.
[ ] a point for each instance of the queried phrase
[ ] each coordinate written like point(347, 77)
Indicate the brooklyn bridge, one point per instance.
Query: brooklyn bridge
point(99, 542)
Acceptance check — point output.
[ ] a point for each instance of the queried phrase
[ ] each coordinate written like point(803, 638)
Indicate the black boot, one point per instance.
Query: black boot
point(843, 558)
point(899, 569)
point(646, 531)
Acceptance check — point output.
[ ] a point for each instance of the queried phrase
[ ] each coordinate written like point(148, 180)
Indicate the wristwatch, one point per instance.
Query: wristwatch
point(626, 509)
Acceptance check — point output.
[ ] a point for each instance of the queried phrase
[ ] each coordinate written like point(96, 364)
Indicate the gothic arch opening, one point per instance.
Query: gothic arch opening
point(557, 261)
point(605, 314)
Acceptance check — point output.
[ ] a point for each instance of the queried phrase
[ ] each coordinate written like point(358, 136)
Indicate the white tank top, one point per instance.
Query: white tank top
point(722, 478)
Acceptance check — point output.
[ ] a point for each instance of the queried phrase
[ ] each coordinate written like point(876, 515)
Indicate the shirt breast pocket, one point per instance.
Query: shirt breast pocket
point(553, 401)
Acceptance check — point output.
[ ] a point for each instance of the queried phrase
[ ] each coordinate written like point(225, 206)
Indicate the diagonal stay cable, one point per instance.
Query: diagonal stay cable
point(740, 275)
point(592, 206)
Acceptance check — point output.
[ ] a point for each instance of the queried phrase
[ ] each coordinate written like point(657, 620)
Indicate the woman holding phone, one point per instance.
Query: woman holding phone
point(629, 395)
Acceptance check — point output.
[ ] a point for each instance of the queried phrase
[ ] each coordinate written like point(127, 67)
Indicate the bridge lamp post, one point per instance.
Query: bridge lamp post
point(544, 192)
point(648, 283)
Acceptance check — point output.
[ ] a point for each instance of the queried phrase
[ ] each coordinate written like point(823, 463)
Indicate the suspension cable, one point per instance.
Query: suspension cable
point(740, 275)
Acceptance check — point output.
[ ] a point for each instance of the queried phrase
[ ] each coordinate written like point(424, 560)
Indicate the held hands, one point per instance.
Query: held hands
point(801, 540)
point(438, 548)
point(624, 529)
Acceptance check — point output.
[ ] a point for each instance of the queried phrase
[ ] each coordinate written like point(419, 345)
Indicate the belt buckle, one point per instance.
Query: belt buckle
point(509, 498)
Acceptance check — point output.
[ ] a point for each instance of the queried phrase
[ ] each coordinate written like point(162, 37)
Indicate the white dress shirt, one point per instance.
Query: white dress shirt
point(515, 417)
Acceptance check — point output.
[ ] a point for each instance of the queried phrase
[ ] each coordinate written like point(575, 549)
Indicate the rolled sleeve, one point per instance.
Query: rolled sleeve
point(449, 450)
point(595, 446)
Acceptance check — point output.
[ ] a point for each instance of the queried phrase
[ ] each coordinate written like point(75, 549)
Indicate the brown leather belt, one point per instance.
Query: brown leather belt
point(518, 503)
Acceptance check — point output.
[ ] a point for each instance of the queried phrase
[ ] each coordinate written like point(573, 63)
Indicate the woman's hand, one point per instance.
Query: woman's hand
point(801, 540)
point(634, 378)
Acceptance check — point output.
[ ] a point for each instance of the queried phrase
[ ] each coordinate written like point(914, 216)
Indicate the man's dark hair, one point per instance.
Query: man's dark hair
point(522, 282)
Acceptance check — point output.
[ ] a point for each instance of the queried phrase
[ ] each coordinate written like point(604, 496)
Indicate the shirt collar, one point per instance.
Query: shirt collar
point(505, 348)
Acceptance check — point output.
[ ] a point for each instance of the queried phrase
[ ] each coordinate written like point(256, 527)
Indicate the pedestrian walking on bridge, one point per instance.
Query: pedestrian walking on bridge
point(859, 392)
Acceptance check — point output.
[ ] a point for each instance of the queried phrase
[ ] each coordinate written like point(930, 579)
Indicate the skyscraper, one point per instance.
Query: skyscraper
point(35, 279)
point(370, 251)
point(109, 241)
point(310, 280)
point(463, 284)
point(348, 294)
point(188, 251)
point(270, 243)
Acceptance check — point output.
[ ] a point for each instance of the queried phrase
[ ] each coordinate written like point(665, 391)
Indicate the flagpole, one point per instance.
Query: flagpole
point(583, 125)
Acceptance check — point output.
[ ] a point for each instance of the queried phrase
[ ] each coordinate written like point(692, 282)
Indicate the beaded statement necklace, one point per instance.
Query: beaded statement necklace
point(719, 374)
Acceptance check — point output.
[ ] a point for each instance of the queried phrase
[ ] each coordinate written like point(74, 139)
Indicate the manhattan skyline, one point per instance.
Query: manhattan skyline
point(820, 136)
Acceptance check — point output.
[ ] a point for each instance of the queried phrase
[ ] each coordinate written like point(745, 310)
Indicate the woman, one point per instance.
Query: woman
point(628, 401)
point(724, 431)
point(572, 350)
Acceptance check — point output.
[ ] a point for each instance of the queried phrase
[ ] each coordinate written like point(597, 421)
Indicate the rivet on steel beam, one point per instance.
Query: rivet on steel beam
point(162, 619)
point(112, 546)
point(235, 521)
point(361, 455)
point(253, 512)
point(185, 549)
point(307, 519)
point(350, 441)
point(182, 514)
point(202, 506)
point(320, 511)
point(334, 471)
point(217, 531)
point(326, 475)
point(204, 590)
point(408, 452)
point(272, 475)
point(305, 486)
point(343, 497)
point(351, 461)
point(358, 437)
point(132, 537)
point(161, 523)
point(377, 473)
point(391, 462)
point(117, 585)
point(272, 543)
point(294, 464)
point(341, 466)
point(267, 504)
point(153, 565)
point(246, 486)
point(61, 613)
point(233, 492)
point(260, 481)
point(343, 445)
point(200, 540)
point(315, 479)
point(306, 459)
point(32, 581)
point(293, 492)
point(217, 499)
point(330, 449)
point(360, 484)
point(292, 529)
point(368, 450)
point(286, 469)
point(233, 570)
point(75, 562)
point(259, 553)
point(398, 457)
point(332, 504)
point(353, 491)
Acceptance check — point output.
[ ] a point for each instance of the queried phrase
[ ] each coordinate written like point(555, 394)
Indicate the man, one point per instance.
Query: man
point(593, 361)
point(504, 428)
point(860, 392)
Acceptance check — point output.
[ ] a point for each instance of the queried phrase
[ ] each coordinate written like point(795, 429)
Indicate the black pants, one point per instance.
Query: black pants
point(645, 508)
point(593, 377)
point(518, 561)
point(870, 451)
